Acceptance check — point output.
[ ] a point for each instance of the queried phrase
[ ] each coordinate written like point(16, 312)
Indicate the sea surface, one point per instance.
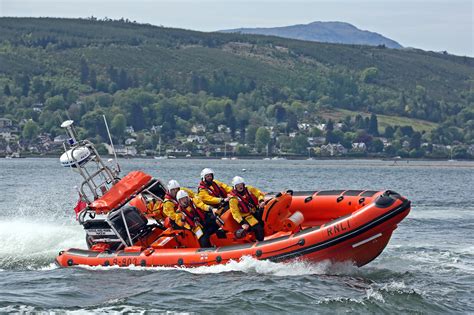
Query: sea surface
point(427, 268)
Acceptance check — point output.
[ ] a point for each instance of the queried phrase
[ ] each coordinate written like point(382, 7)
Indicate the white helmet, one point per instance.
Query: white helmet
point(181, 194)
point(237, 180)
point(205, 172)
point(172, 184)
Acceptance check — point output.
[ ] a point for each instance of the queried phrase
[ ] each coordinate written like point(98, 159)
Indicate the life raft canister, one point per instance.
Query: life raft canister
point(277, 217)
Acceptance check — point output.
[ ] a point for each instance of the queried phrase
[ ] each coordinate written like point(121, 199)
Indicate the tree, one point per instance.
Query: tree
point(55, 103)
point(250, 134)
point(230, 118)
point(377, 146)
point(262, 138)
point(280, 113)
point(389, 132)
point(119, 123)
point(123, 81)
point(242, 150)
point(415, 141)
point(363, 136)
point(30, 130)
point(6, 90)
point(330, 125)
point(84, 71)
point(359, 122)
point(25, 85)
point(137, 119)
point(93, 79)
point(299, 144)
point(373, 125)
point(334, 136)
point(292, 121)
point(369, 75)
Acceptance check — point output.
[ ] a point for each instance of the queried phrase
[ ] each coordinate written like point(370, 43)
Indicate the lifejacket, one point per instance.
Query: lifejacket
point(213, 189)
point(245, 200)
point(168, 197)
point(155, 208)
point(190, 215)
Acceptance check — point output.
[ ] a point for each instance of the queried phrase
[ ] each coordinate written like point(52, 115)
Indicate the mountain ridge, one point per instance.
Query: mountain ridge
point(327, 32)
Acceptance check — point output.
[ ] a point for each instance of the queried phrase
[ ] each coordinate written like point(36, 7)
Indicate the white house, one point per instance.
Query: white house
point(359, 147)
point(5, 134)
point(198, 128)
point(196, 139)
point(60, 139)
point(334, 149)
point(130, 141)
point(5, 122)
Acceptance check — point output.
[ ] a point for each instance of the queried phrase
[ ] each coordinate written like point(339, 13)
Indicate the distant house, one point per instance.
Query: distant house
point(121, 150)
point(338, 126)
point(359, 147)
point(199, 128)
point(177, 149)
point(155, 129)
point(316, 140)
point(60, 139)
point(321, 127)
point(5, 134)
point(5, 123)
point(441, 148)
point(292, 134)
point(304, 126)
point(130, 141)
point(221, 137)
point(470, 149)
point(333, 149)
point(385, 142)
point(223, 128)
point(196, 139)
point(129, 130)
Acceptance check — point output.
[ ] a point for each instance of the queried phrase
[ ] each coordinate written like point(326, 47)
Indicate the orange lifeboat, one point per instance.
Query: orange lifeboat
point(334, 225)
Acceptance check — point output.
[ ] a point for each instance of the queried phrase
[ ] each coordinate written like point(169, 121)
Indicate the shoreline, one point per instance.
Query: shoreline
point(396, 161)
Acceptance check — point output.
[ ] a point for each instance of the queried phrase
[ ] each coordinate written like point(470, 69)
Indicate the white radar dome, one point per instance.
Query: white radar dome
point(78, 155)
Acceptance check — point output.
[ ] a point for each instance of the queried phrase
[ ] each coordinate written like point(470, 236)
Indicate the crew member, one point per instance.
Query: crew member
point(170, 203)
point(154, 207)
point(211, 191)
point(199, 220)
point(246, 204)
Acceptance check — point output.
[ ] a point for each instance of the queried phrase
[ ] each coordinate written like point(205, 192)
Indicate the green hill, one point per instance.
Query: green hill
point(162, 76)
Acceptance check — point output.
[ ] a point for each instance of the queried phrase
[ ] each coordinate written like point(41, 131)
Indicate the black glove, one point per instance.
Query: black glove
point(240, 233)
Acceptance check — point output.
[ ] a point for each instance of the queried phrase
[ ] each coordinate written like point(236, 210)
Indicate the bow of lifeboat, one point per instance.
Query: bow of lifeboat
point(326, 225)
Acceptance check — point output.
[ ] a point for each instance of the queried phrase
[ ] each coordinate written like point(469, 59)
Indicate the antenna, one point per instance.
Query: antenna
point(111, 143)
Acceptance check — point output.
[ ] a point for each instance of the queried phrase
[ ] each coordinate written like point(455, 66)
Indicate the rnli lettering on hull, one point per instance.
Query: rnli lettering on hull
point(338, 228)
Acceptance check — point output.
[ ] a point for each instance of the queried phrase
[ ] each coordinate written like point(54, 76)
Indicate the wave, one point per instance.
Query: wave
point(28, 244)
point(250, 265)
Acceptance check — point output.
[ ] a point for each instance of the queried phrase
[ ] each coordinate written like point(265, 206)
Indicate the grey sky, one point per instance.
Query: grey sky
point(427, 24)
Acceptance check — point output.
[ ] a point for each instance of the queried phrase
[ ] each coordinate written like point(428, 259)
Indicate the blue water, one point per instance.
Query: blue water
point(428, 266)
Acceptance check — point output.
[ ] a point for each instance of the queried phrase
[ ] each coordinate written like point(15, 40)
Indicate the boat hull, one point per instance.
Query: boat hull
point(358, 236)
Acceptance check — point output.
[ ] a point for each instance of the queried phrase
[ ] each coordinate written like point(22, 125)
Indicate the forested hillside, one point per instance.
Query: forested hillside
point(164, 81)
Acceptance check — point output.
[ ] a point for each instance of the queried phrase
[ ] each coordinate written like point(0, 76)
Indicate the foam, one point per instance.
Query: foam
point(250, 265)
point(33, 244)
